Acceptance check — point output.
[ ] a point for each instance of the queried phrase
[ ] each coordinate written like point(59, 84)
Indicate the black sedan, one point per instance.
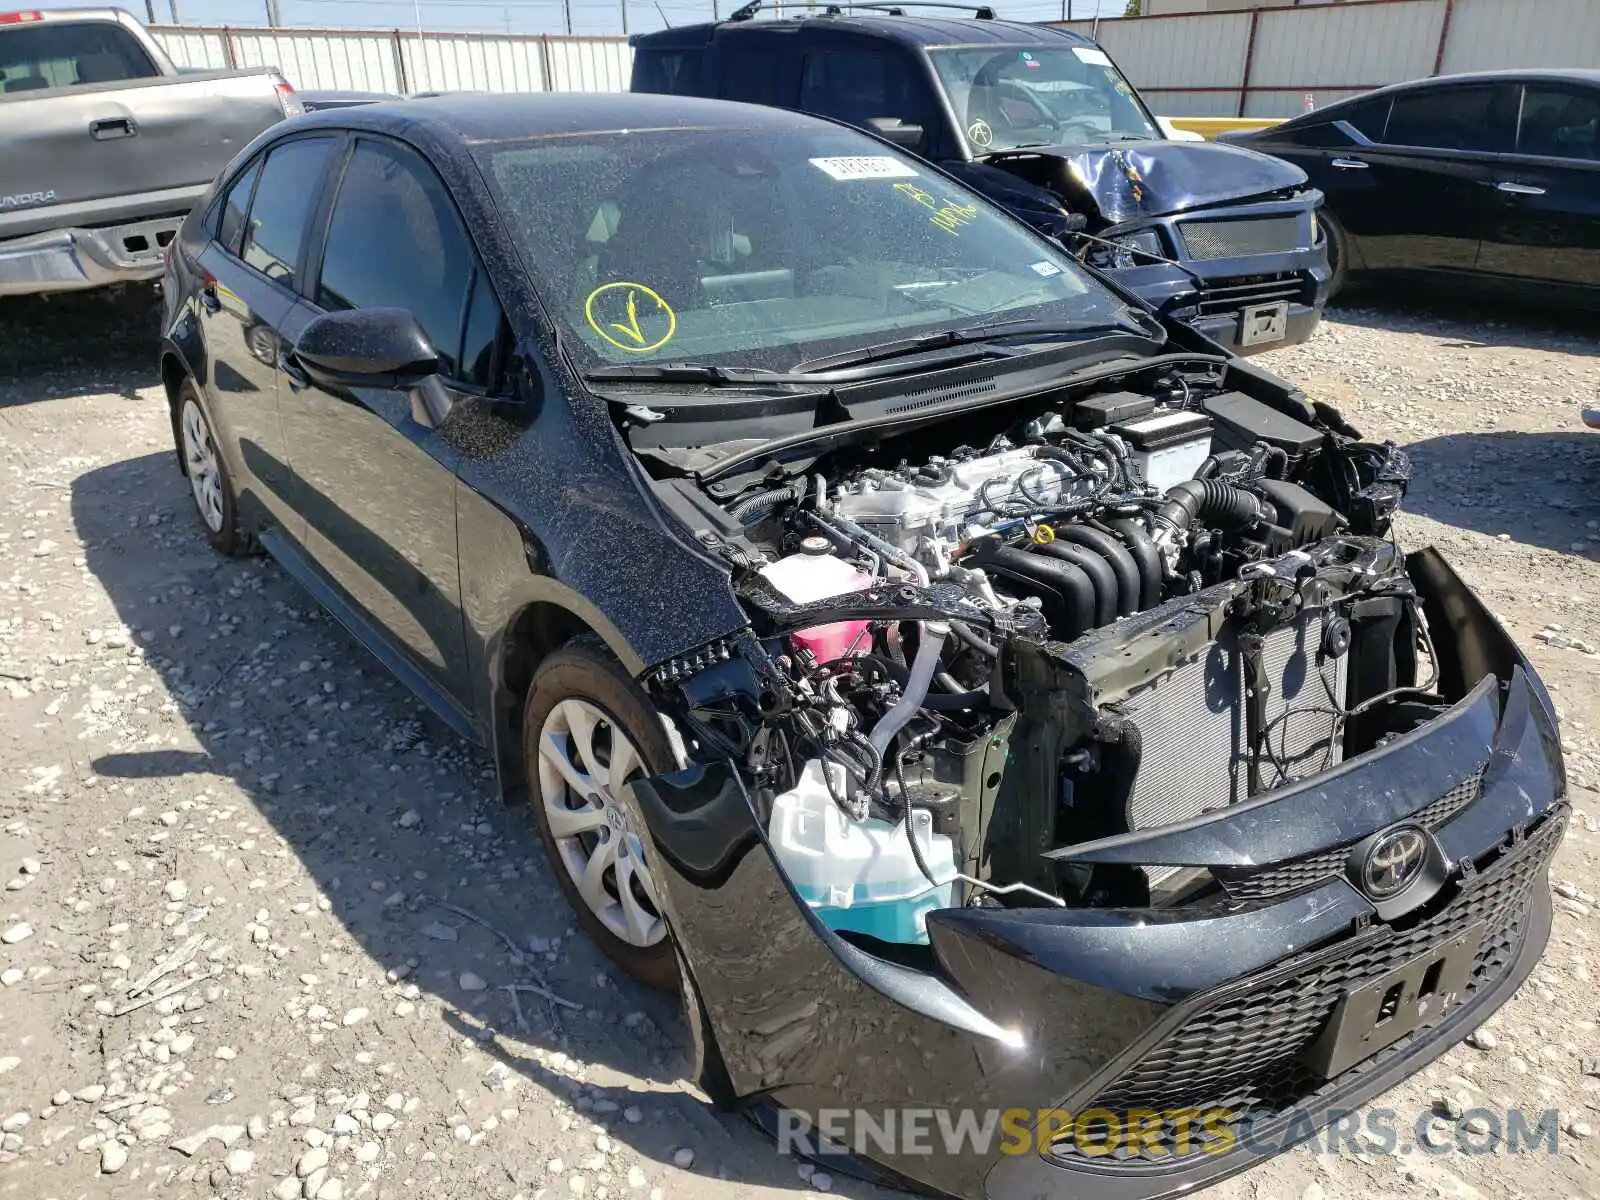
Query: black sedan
point(1490, 181)
point(1008, 722)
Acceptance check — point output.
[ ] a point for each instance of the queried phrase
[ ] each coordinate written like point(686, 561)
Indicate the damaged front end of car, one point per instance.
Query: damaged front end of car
point(1116, 761)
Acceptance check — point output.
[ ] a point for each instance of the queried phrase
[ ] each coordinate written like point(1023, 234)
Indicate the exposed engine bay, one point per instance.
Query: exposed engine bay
point(982, 642)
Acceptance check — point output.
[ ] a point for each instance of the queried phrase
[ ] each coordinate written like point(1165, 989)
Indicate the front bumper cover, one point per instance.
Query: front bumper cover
point(1060, 1010)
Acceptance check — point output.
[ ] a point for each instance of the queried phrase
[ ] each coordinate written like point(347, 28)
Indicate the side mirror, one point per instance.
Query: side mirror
point(893, 129)
point(373, 347)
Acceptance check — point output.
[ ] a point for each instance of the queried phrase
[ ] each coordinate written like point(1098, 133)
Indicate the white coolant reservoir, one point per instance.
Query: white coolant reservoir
point(814, 574)
point(859, 875)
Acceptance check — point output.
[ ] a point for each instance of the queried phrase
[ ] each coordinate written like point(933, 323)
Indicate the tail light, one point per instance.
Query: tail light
point(20, 18)
point(286, 99)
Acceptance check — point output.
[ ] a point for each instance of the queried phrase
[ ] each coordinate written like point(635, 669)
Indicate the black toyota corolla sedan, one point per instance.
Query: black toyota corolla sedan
point(1012, 725)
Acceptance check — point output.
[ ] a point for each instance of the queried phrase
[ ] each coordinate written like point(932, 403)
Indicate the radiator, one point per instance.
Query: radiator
point(1195, 754)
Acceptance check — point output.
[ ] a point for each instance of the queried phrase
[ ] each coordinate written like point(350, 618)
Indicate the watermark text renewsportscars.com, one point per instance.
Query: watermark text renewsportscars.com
point(1158, 1135)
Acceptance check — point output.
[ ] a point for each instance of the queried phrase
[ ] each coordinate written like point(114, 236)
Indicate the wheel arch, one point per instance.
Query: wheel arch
point(174, 371)
point(537, 626)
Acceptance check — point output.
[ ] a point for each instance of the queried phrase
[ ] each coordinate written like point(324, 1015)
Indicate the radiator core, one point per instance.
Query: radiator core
point(1195, 752)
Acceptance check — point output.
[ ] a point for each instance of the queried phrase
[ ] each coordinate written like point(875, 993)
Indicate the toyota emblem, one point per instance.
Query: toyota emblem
point(1394, 861)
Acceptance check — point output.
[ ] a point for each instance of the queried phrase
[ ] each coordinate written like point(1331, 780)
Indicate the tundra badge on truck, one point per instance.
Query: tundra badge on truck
point(26, 199)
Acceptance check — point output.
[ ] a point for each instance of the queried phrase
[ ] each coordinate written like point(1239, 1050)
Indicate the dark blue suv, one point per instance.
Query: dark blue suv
point(1041, 121)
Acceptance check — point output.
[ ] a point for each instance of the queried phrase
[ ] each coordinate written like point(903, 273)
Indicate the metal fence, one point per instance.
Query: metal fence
point(401, 61)
point(1267, 62)
point(1254, 63)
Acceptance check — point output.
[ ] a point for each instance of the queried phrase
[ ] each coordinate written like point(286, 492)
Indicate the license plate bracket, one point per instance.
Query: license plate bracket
point(1262, 323)
point(1376, 1015)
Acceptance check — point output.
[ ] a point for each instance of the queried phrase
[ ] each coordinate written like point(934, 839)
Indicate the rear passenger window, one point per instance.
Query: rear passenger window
point(758, 77)
point(1457, 118)
point(668, 72)
point(235, 205)
point(281, 210)
point(1369, 117)
point(396, 241)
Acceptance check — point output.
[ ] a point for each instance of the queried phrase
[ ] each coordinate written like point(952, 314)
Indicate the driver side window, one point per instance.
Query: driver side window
point(281, 211)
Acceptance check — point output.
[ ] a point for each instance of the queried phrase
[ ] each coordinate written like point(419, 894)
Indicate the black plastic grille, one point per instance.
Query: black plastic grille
point(1245, 1053)
point(1231, 295)
point(1283, 878)
point(1251, 235)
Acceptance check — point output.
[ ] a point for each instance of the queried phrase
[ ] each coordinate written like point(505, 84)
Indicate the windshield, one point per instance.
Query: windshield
point(1016, 96)
point(739, 247)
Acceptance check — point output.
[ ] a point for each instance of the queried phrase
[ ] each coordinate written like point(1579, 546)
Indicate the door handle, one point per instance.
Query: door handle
point(1349, 164)
point(1518, 189)
point(293, 372)
point(208, 298)
point(109, 128)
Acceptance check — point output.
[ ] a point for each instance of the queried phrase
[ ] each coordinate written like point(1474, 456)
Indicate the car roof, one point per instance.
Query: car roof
point(1512, 75)
point(906, 30)
point(483, 117)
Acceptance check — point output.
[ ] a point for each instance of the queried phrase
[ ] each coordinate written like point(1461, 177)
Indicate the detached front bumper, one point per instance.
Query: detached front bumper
point(1025, 1018)
point(69, 260)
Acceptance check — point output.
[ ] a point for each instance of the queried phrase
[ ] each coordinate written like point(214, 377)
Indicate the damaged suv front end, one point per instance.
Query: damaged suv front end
point(1090, 765)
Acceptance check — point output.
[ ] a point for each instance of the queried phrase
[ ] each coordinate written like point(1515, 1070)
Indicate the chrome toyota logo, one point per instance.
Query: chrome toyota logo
point(1394, 861)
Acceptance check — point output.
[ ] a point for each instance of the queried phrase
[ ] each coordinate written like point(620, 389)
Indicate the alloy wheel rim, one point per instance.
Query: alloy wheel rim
point(200, 456)
point(584, 759)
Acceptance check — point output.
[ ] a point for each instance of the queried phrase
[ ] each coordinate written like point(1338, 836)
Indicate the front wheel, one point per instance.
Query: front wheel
point(587, 730)
point(1338, 251)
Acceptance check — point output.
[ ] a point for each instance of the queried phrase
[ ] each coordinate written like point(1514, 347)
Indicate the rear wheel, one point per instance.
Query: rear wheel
point(1338, 251)
point(587, 730)
point(209, 483)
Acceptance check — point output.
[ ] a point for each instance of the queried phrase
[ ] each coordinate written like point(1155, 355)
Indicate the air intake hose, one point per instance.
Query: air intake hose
point(1212, 502)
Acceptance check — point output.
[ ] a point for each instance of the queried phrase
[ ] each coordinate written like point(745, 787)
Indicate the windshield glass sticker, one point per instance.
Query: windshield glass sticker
point(1048, 269)
point(947, 215)
point(1093, 55)
point(1029, 61)
point(630, 316)
point(980, 135)
point(864, 166)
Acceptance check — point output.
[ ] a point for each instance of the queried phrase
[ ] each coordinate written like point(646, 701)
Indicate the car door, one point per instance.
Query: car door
point(1546, 223)
point(1425, 181)
point(375, 472)
point(248, 275)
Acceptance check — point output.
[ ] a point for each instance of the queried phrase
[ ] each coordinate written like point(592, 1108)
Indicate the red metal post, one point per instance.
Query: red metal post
point(1444, 35)
point(1249, 60)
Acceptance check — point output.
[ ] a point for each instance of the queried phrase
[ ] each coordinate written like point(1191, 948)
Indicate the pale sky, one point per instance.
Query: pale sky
point(499, 16)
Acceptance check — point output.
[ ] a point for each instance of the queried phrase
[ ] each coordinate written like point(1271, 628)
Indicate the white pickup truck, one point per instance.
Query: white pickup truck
point(105, 145)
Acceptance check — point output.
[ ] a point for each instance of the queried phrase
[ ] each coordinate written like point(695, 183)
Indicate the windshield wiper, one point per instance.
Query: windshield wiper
point(682, 372)
point(991, 331)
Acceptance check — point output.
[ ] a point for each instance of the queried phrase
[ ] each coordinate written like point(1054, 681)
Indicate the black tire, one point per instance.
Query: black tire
point(221, 522)
point(1338, 251)
point(581, 671)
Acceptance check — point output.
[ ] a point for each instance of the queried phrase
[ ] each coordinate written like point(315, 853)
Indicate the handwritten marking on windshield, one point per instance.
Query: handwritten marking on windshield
point(618, 312)
point(948, 215)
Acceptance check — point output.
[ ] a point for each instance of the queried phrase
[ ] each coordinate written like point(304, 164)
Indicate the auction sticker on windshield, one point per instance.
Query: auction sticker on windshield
point(864, 166)
point(1092, 55)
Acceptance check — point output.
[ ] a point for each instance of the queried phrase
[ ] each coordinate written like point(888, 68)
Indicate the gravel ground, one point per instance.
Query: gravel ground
point(260, 913)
